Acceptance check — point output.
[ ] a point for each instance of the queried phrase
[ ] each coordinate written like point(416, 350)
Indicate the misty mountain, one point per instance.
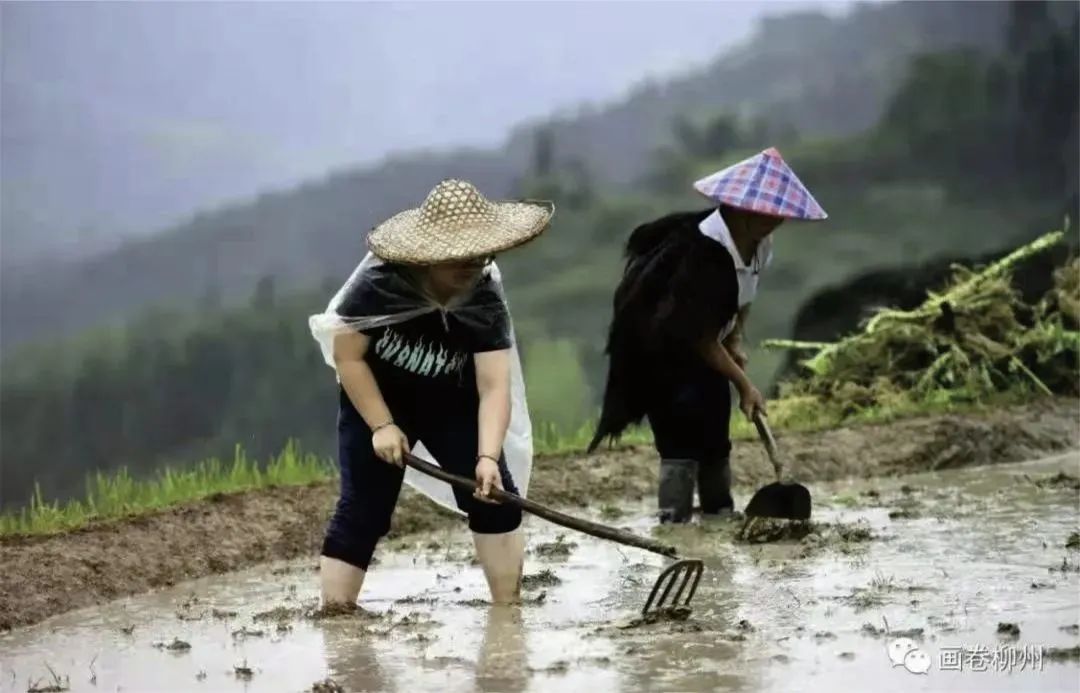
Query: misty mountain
point(818, 74)
point(969, 159)
point(122, 118)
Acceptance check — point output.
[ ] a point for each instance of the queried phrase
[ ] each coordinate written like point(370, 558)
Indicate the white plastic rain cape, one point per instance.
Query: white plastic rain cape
point(403, 301)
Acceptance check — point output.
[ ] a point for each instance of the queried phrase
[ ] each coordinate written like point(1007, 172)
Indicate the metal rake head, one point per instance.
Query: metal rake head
point(686, 572)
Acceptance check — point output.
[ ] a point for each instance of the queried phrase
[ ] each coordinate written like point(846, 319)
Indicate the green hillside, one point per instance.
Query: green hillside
point(818, 75)
point(974, 152)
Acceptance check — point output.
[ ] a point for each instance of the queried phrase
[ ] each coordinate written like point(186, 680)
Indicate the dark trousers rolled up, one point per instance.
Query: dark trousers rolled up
point(370, 487)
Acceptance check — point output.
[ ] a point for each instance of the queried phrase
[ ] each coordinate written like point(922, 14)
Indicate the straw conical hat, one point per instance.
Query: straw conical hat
point(765, 184)
point(456, 222)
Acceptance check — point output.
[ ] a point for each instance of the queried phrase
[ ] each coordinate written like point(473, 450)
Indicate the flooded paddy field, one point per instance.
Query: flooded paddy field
point(959, 579)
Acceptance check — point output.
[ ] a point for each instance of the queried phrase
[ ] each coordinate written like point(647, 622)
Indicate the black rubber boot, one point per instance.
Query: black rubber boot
point(676, 490)
point(714, 487)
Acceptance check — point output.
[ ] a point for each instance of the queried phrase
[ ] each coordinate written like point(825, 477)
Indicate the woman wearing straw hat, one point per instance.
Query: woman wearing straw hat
point(675, 340)
point(422, 342)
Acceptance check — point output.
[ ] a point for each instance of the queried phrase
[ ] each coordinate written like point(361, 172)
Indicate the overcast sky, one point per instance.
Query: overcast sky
point(124, 117)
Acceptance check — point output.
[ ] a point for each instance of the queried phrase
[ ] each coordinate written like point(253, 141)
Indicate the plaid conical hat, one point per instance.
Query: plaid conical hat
point(456, 222)
point(765, 184)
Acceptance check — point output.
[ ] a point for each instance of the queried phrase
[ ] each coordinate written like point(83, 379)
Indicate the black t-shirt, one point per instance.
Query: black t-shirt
point(430, 356)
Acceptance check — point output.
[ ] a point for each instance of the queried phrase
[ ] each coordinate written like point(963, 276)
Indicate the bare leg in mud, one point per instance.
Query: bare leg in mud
point(502, 557)
point(340, 581)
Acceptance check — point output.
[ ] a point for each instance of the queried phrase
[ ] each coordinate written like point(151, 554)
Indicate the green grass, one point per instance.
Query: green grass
point(552, 440)
point(110, 496)
point(118, 495)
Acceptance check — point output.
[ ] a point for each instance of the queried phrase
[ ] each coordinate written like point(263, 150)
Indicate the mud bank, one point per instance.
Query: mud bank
point(44, 576)
point(979, 569)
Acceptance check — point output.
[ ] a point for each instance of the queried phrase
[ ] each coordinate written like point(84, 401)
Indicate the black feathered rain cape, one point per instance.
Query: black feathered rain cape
point(679, 289)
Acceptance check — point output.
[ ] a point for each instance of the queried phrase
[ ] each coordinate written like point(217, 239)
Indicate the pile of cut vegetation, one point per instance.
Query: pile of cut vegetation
point(974, 338)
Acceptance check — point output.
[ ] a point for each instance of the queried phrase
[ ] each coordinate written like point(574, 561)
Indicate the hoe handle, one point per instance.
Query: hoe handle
point(588, 527)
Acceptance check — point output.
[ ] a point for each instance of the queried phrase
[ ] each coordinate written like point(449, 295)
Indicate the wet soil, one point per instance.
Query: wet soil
point(44, 576)
point(768, 616)
point(545, 578)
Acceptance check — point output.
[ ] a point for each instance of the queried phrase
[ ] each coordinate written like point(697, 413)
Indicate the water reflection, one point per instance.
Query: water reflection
point(502, 664)
point(351, 657)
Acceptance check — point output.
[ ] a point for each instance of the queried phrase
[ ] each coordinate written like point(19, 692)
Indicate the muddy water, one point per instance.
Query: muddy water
point(962, 552)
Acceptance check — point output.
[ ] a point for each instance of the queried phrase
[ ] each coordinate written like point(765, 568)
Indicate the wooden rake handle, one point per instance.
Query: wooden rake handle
point(588, 527)
point(770, 443)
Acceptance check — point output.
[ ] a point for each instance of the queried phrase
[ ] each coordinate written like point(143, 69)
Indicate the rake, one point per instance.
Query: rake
point(685, 572)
